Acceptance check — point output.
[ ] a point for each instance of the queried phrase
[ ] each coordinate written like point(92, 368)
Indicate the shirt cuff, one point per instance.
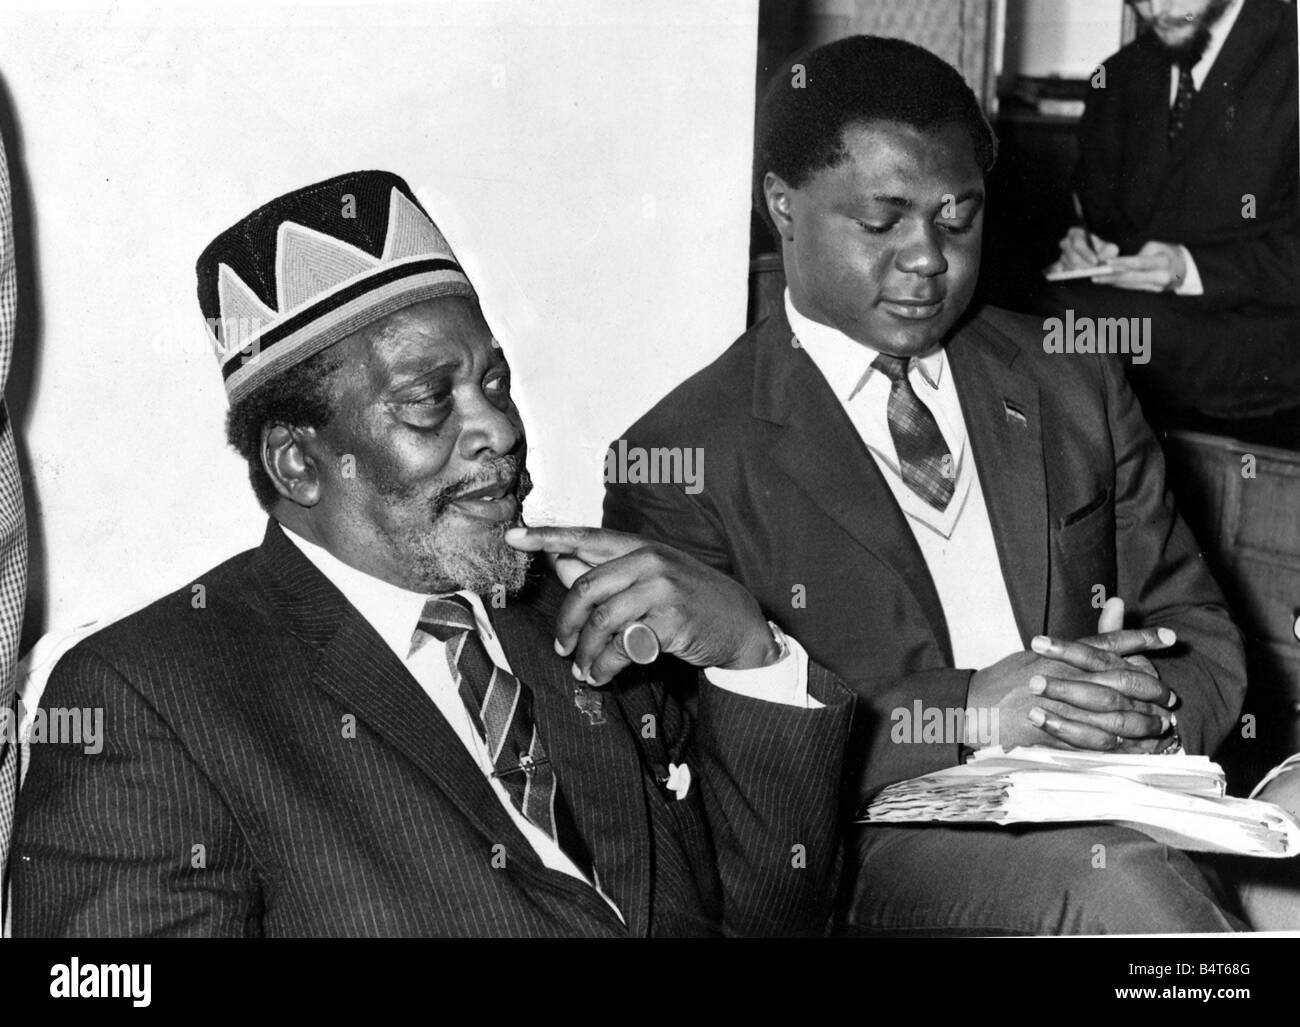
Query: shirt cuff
point(1192, 280)
point(784, 682)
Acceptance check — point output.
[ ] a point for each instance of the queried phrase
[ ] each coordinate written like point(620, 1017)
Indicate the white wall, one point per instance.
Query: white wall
point(587, 159)
point(1061, 37)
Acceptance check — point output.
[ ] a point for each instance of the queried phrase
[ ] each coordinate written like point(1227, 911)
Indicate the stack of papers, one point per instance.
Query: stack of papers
point(1178, 800)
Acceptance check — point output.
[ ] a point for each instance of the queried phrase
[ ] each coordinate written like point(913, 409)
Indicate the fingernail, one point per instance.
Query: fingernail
point(515, 534)
point(1037, 717)
point(578, 672)
point(1167, 635)
point(1173, 719)
point(559, 648)
point(1038, 684)
point(1040, 642)
point(1173, 699)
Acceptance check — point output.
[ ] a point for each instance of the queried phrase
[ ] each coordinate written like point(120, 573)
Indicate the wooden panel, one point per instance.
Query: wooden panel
point(1268, 598)
point(1268, 507)
point(959, 31)
point(1250, 530)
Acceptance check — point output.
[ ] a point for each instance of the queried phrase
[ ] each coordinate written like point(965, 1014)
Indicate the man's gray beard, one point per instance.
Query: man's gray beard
point(440, 561)
point(483, 568)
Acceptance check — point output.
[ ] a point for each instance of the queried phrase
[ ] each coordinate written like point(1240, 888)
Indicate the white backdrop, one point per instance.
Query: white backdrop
point(587, 159)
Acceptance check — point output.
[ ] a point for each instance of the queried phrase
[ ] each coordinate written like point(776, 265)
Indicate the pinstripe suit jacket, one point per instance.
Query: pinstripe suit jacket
point(270, 768)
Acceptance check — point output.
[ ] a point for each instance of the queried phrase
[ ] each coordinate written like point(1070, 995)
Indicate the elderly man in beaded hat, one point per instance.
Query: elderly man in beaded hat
point(386, 719)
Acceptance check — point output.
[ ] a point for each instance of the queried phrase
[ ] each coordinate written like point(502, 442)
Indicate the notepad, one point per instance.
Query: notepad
point(1078, 272)
point(1179, 800)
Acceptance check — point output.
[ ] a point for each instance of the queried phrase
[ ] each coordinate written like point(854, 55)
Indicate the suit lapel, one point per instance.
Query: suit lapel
point(1004, 425)
point(598, 765)
point(822, 453)
point(358, 669)
point(362, 673)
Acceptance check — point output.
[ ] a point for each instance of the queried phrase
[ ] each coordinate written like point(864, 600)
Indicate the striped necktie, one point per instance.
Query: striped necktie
point(1182, 100)
point(501, 708)
point(924, 460)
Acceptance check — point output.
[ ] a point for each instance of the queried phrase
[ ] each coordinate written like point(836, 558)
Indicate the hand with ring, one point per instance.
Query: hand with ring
point(630, 599)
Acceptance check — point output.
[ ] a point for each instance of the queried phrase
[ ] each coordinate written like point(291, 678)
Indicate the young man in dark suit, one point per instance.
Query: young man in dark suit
point(381, 721)
point(1189, 186)
point(937, 506)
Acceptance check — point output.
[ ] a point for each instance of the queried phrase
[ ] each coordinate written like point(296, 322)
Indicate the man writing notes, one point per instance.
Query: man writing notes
point(384, 720)
point(934, 504)
point(1189, 185)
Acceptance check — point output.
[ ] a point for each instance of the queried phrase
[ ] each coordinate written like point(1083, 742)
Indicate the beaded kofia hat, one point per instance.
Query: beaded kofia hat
point(314, 266)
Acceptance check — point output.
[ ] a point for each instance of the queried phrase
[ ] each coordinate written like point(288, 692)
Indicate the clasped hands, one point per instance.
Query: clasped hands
point(1099, 693)
point(1156, 267)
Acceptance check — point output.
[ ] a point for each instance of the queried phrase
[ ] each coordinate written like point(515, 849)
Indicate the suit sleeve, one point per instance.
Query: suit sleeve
point(891, 753)
point(128, 841)
point(1164, 580)
point(1098, 173)
point(1263, 266)
point(771, 782)
point(664, 513)
point(1260, 270)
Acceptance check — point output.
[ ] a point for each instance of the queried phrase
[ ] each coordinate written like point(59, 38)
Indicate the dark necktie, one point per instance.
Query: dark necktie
point(923, 457)
point(502, 710)
point(1182, 100)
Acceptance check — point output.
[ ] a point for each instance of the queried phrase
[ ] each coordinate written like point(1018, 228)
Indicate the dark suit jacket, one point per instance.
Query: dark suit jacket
point(276, 730)
point(1239, 341)
point(794, 507)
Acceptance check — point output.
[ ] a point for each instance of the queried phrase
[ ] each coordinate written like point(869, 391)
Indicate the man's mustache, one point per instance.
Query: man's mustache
point(499, 471)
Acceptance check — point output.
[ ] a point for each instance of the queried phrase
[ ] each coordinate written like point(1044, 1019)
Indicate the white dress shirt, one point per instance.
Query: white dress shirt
point(957, 543)
point(1191, 284)
point(395, 613)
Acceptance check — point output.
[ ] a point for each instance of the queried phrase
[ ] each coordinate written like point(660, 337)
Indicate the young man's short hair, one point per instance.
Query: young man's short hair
point(818, 93)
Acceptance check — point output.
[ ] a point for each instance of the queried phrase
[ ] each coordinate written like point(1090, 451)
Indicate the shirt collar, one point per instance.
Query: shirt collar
point(845, 362)
point(393, 612)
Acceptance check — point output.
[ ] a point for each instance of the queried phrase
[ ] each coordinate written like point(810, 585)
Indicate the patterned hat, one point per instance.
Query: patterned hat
point(314, 266)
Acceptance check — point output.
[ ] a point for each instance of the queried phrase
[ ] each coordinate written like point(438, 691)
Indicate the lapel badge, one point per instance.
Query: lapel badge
point(590, 703)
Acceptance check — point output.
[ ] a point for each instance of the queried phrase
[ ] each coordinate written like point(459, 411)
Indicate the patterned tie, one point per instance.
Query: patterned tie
point(502, 710)
point(1182, 100)
point(923, 457)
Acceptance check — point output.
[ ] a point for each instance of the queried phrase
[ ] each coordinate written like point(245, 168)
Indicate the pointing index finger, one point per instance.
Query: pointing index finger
point(591, 545)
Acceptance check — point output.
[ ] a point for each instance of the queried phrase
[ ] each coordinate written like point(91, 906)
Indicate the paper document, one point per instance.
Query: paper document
point(1179, 800)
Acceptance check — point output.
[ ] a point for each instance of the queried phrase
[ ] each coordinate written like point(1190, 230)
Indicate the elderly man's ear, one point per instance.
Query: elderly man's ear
point(288, 460)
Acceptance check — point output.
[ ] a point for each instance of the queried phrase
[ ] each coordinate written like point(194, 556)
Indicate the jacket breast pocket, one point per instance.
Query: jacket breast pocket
point(1089, 528)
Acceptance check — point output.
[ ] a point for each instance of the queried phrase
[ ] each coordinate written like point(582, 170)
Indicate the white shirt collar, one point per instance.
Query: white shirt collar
point(846, 363)
point(392, 611)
